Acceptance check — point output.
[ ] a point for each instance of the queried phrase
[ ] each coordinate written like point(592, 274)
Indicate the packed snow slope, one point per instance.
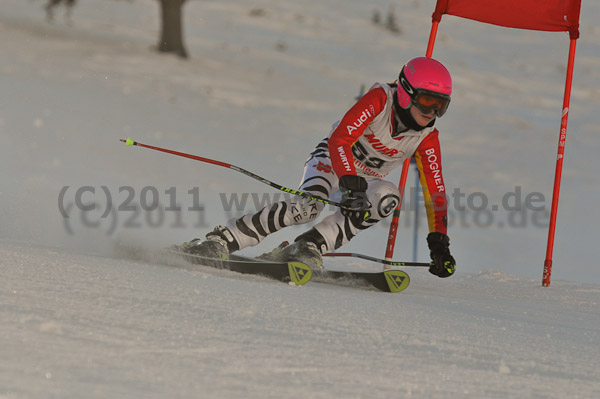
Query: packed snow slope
point(78, 326)
point(264, 83)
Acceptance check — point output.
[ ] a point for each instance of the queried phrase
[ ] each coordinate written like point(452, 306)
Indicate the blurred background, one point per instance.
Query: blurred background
point(258, 84)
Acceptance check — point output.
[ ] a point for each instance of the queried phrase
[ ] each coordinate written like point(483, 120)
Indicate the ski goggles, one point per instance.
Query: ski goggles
point(428, 101)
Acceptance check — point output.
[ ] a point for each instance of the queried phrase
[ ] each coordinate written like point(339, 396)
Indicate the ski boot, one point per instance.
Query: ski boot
point(305, 249)
point(219, 244)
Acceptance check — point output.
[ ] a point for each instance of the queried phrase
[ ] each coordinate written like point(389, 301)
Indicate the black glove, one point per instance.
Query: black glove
point(355, 204)
point(443, 264)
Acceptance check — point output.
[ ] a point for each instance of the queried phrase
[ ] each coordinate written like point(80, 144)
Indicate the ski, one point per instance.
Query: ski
point(300, 273)
point(386, 281)
point(287, 272)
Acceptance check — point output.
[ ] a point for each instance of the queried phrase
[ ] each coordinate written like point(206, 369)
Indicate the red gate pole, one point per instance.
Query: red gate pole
point(391, 243)
point(559, 165)
point(432, 35)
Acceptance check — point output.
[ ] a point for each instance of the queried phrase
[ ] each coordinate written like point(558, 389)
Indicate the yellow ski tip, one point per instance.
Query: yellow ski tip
point(300, 273)
point(397, 280)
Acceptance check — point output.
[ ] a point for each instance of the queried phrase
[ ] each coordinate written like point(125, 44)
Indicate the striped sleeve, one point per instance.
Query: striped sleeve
point(429, 162)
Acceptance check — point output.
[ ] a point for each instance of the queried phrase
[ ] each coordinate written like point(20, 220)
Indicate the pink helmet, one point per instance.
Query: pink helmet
point(426, 83)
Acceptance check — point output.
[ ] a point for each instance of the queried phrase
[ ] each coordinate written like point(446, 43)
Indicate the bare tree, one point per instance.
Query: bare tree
point(390, 23)
point(53, 3)
point(171, 35)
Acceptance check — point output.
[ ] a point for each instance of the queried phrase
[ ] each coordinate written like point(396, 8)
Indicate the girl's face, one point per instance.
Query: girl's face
point(421, 118)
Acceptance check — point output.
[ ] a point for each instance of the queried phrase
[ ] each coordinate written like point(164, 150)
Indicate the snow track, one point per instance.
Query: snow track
point(83, 326)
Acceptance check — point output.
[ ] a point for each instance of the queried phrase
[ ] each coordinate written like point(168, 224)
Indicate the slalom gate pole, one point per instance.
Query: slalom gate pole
point(416, 227)
point(377, 260)
point(391, 243)
point(559, 165)
point(130, 142)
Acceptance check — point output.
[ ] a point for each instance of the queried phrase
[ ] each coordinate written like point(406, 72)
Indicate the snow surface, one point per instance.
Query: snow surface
point(78, 320)
point(84, 326)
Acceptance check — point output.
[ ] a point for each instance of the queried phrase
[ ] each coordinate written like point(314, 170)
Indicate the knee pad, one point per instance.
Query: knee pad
point(384, 197)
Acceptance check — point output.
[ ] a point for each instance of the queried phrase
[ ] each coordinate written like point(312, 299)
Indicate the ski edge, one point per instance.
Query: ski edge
point(297, 273)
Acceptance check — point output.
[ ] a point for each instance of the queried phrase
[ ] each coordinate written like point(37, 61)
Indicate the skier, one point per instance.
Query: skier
point(389, 124)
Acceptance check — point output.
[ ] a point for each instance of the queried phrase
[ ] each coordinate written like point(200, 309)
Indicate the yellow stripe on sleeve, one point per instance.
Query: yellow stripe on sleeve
point(428, 202)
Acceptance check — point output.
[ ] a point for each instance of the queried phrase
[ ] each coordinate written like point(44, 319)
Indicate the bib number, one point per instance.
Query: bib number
point(361, 154)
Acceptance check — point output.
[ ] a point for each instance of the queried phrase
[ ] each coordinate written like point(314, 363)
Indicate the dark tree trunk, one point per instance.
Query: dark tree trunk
point(171, 35)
